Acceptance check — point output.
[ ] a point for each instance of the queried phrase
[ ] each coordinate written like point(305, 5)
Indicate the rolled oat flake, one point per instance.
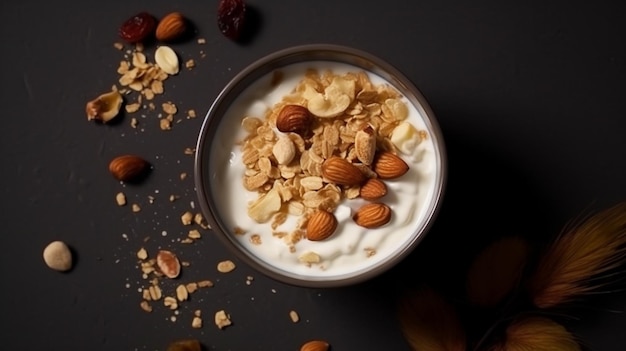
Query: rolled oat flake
point(58, 256)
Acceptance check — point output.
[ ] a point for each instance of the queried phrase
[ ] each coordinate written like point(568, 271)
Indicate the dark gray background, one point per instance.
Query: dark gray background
point(530, 97)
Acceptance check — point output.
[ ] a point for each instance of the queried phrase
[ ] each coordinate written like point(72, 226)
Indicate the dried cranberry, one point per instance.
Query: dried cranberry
point(138, 28)
point(231, 18)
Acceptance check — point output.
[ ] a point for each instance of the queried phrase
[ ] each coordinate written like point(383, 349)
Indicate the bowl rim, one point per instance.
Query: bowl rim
point(285, 57)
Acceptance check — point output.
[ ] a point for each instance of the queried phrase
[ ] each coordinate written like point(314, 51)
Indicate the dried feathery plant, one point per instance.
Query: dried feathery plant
point(537, 334)
point(430, 323)
point(496, 271)
point(573, 262)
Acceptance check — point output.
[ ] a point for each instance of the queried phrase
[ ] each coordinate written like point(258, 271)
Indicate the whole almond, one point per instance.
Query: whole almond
point(372, 215)
point(294, 119)
point(321, 225)
point(171, 27)
point(168, 263)
point(315, 345)
point(128, 168)
point(373, 189)
point(389, 165)
point(342, 172)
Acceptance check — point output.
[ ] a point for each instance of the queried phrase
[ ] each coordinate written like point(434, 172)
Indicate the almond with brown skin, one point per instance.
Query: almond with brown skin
point(294, 119)
point(389, 165)
point(172, 27)
point(342, 172)
point(168, 263)
point(373, 189)
point(128, 168)
point(321, 225)
point(315, 345)
point(372, 215)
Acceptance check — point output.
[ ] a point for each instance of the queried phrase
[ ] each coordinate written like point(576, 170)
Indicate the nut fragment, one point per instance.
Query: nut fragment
point(58, 256)
point(105, 107)
point(321, 225)
point(168, 263)
point(222, 319)
point(405, 137)
point(167, 60)
point(315, 345)
point(128, 168)
point(372, 215)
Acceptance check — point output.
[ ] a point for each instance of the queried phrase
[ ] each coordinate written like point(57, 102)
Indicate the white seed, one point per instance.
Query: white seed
point(58, 256)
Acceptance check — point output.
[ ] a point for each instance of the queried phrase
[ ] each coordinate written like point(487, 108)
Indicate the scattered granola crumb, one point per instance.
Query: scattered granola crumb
point(174, 198)
point(226, 266)
point(191, 287)
point(222, 319)
point(194, 234)
point(189, 64)
point(183, 176)
point(294, 316)
point(189, 151)
point(142, 254)
point(118, 46)
point(196, 322)
point(205, 284)
point(120, 198)
point(201, 41)
point(134, 122)
point(186, 218)
point(136, 208)
point(191, 114)
point(165, 124)
point(145, 305)
point(249, 280)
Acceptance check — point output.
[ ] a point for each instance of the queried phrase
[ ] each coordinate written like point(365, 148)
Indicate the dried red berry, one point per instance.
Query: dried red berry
point(231, 18)
point(138, 28)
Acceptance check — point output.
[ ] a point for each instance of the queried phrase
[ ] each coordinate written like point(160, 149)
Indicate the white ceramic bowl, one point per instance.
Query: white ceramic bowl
point(352, 254)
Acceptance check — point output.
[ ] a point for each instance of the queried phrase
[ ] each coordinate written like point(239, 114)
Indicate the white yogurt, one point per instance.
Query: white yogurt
point(345, 252)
